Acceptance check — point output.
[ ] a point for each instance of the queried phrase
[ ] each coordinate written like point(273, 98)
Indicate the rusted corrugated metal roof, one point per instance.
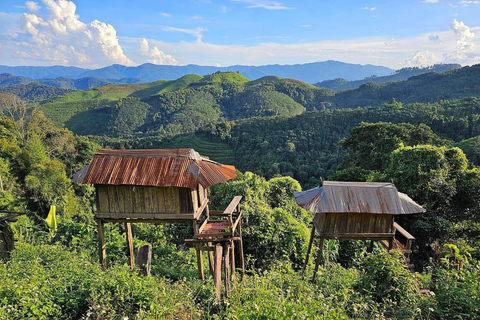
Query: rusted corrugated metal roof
point(154, 167)
point(363, 197)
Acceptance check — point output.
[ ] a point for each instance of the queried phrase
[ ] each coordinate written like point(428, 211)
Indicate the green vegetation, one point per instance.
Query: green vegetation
point(34, 92)
point(260, 126)
point(402, 74)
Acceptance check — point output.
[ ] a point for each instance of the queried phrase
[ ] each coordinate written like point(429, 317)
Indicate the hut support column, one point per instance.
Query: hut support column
point(319, 257)
point(240, 248)
point(226, 267)
point(310, 243)
point(201, 275)
point(210, 259)
point(370, 247)
point(217, 272)
point(102, 252)
point(232, 259)
point(131, 256)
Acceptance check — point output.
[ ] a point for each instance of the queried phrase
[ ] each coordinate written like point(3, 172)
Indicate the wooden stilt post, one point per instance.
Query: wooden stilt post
point(131, 255)
point(210, 259)
point(310, 243)
point(319, 257)
point(240, 248)
point(201, 275)
point(226, 267)
point(370, 247)
point(217, 272)
point(390, 244)
point(232, 259)
point(102, 252)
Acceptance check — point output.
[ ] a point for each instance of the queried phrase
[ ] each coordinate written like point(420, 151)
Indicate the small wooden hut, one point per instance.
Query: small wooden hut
point(357, 211)
point(157, 186)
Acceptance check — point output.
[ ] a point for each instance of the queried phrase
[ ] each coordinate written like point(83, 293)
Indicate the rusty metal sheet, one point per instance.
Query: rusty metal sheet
point(360, 197)
point(154, 167)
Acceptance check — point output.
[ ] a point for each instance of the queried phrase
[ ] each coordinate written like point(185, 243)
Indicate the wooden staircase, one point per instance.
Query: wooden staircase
point(218, 236)
point(406, 248)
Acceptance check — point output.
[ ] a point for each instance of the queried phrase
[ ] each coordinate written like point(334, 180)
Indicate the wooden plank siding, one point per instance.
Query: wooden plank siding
point(141, 200)
point(354, 223)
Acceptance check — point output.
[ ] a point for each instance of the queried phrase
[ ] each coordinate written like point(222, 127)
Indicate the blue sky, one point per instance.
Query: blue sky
point(97, 33)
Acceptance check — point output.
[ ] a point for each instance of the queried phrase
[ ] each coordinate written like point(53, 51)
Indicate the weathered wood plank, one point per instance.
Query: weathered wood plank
point(155, 215)
point(233, 204)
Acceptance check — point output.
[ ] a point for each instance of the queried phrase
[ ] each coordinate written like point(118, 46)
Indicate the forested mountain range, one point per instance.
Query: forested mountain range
point(193, 101)
point(7, 80)
point(309, 72)
point(402, 74)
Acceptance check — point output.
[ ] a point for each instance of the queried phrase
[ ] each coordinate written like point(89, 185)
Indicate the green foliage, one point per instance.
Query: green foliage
point(45, 282)
point(34, 92)
point(372, 143)
point(277, 229)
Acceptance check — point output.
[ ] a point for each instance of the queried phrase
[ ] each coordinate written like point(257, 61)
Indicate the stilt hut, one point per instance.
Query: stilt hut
point(357, 211)
point(156, 186)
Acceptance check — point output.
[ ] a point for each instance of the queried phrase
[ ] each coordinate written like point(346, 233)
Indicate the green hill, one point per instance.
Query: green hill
point(191, 102)
point(34, 92)
point(402, 74)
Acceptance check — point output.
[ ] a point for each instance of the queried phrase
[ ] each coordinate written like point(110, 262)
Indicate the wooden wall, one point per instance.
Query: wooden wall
point(354, 223)
point(142, 199)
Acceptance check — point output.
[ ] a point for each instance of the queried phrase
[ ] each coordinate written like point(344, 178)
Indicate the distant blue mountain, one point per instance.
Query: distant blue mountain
point(309, 72)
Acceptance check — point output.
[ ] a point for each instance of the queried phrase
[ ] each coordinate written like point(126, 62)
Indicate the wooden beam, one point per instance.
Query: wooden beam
point(233, 204)
point(317, 261)
point(234, 226)
point(357, 236)
point(201, 275)
point(179, 221)
point(226, 267)
point(403, 232)
point(131, 256)
point(211, 239)
point(102, 252)
point(217, 272)
point(310, 243)
point(136, 215)
point(240, 248)
point(232, 259)
point(200, 209)
point(210, 259)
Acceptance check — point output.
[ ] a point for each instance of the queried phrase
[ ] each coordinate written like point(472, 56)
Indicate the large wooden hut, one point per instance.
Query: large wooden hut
point(357, 211)
point(158, 186)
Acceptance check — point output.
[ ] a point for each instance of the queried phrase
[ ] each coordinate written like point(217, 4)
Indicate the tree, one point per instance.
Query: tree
point(370, 144)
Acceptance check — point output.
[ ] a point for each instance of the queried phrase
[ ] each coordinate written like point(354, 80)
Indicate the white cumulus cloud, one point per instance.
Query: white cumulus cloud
point(32, 6)
point(425, 58)
point(158, 57)
point(465, 44)
point(61, 37)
